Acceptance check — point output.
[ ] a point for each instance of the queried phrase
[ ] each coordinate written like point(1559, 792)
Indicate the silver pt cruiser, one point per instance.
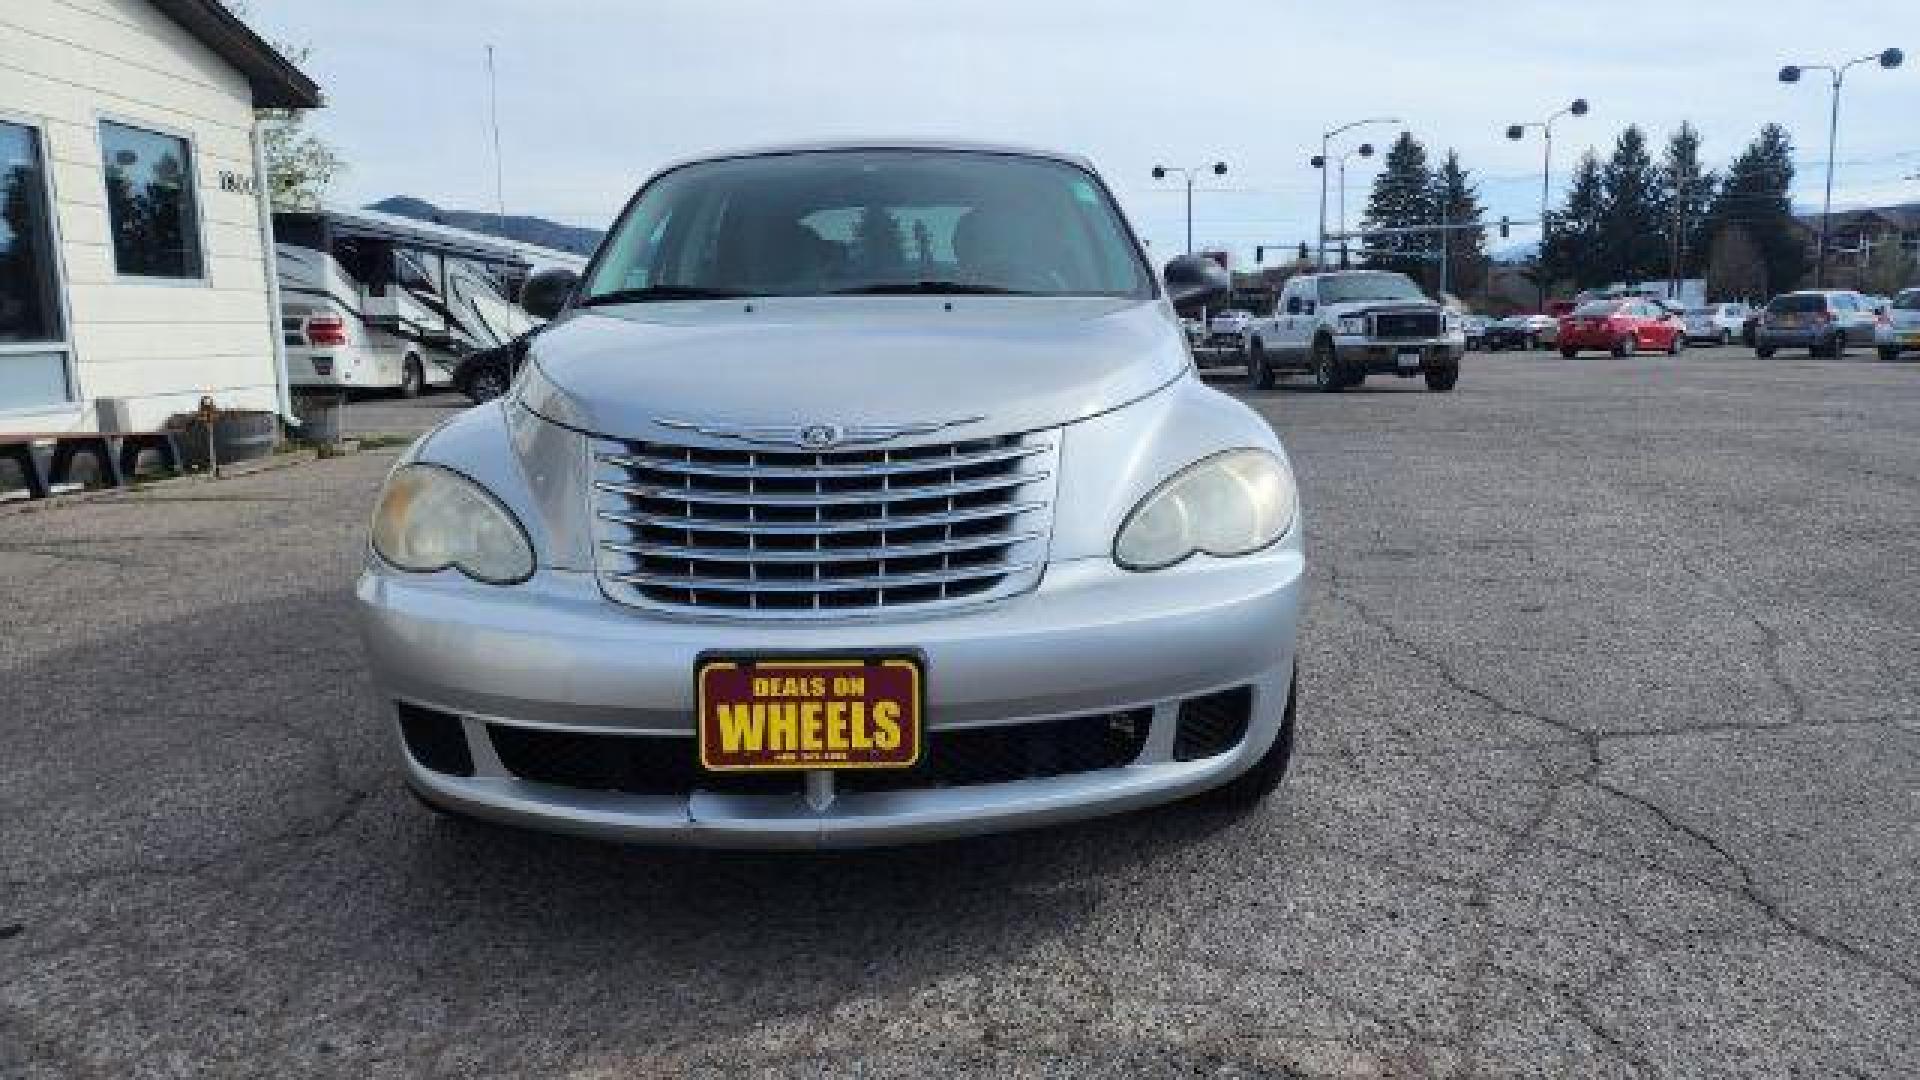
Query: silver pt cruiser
point(857, 494)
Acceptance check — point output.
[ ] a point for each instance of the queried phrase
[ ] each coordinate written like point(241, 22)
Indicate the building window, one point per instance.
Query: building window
point(33, 349)
point(150, 202)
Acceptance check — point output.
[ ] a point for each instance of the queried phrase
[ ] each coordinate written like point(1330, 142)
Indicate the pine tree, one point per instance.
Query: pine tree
point(1571, 248)
point(1689, 192)
point(1402, 197)
point(879, 245)
point(1633, 215)
point(1735, 270)
point(1458, 201)
point(1755, 197)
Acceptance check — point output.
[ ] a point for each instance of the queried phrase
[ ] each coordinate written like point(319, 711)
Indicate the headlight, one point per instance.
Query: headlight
point(1232, 503)
point(430, 518)
point(1351, 324)
point(1452, 322)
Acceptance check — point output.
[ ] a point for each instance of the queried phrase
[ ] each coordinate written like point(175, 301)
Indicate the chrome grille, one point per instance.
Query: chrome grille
point(783, 533)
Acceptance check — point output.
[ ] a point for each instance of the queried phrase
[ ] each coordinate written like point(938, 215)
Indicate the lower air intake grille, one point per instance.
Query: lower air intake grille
point(1213, 724)
point(437, 740)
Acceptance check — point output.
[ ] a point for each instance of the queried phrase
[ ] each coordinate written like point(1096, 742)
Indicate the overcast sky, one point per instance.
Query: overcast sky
point(594, 94)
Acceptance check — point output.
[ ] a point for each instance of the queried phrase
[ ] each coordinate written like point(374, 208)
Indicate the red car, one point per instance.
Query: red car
point(1621, 327)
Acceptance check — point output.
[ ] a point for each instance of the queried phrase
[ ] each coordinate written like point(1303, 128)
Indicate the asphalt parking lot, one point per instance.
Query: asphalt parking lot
point(1610, 766)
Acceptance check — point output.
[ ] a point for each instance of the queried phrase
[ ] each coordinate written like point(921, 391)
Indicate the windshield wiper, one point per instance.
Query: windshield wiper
point(663, 292)
point(928, 288)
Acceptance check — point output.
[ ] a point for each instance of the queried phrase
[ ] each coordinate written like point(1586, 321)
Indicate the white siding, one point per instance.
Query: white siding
point(65, 64)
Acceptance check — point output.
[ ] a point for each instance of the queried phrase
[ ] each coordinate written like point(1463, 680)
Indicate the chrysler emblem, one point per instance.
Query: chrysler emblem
point(819, 436)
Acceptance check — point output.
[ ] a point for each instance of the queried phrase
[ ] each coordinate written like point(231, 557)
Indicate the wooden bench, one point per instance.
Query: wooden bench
point(56, 462)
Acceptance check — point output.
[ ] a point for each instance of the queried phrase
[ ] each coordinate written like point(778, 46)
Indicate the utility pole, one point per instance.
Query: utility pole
point(499, 171)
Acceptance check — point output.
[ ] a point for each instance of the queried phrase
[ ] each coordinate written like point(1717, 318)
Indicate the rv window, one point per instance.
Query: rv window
point(150, 200)
point(417, 270)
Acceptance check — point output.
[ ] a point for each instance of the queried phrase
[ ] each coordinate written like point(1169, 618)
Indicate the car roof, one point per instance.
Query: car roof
point(820, 146)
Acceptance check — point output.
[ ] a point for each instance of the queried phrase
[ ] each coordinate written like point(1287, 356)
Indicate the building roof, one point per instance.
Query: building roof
point(276, 83)
point(1903, 216)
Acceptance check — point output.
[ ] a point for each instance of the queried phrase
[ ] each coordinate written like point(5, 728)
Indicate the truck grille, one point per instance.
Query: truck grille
point(1406, 324)
point(796, 534)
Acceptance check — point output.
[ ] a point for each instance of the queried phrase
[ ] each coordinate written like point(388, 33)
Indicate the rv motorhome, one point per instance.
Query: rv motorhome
point(373, 301)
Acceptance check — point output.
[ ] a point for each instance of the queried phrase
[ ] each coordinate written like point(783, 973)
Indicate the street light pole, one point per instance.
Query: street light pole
point(1889, 58)
point(1319, 162)
point(1189, 175)
point(1519, 131)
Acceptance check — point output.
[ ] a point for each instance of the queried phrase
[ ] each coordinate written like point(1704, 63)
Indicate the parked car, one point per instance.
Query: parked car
point(1341, 327)
point(1717, 323)
point(1521, 332)
point(1901, 330)
point(1474, 329)
point(1226, 329)
point(1822, 321)
point(973, 549)
point(1622, 327)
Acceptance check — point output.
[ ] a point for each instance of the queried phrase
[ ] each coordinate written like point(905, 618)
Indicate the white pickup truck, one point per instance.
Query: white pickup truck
point(1341, 327)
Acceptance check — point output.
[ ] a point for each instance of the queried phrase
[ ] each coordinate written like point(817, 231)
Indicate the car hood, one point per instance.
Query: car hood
point(999, 364)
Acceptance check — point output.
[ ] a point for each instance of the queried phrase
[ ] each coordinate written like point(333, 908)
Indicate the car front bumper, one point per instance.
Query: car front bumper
point(1793, 337)
point(1378, 357)
point(1897, 337)
point(555, 655)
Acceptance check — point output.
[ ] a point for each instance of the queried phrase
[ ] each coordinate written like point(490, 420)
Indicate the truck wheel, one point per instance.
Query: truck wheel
point(1889, 353)
point(1326, 368)
point(1837, 347)
point(1764, 352)
point(1678, 343)
point(1250, 788)
point(1442, 380)
point(1259, 370)
point(413, 378)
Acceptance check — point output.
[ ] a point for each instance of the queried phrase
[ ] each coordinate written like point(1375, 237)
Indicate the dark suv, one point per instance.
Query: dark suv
point(1822, 321)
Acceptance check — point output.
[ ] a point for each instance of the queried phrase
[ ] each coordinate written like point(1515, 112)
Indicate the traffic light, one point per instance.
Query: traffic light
point(1505, 227)
point(1259, 253)
point(1303, 251)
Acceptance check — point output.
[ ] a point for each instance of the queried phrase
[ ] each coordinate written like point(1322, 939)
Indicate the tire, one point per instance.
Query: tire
point(1677, 345)
point(1326, 368)
point(1837, 348)
point(1764, 352)
point(1259, 370)
point(1251, 788)
point(1626, 346)
point(1889, 353)
point(1726, 337)
point(1442, 380)
point(1568, 352)
point(413, 378)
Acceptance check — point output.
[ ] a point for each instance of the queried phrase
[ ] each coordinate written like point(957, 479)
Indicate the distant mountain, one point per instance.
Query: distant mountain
point(527, 230)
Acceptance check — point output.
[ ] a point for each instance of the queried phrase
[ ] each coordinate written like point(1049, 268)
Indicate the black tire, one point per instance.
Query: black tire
point(1837, 347)
point(1726, 337)
point(1677, 345)
point(413, 378)
point(1889, 353)
point(1441, 380)
point(1259, 369)
point(1326, 368)
point(1569, 353)
point(1764, 352)
point(1626, 346)
point(1250, 788)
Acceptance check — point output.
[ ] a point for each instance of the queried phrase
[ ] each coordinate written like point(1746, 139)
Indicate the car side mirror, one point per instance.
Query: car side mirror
point(1195, 280)
point(546, 293)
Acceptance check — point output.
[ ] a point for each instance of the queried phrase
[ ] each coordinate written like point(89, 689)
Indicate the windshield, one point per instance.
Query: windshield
point(876, 221)
point(1598, 309)
point(1800, 302)
point(1349, 288)
point(1908, 300)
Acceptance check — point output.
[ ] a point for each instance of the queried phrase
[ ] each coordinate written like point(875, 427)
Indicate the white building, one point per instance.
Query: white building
point(134, 238)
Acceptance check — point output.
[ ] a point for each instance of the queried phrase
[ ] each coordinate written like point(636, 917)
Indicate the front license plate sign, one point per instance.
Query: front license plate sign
point(775, 714)
point(1409, 359)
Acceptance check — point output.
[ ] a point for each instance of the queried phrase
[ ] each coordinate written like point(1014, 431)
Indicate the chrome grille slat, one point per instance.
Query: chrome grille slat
point(882, 581)
point(690, 494)
point(766, 532)
point(818, 554)
point(889, 468)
